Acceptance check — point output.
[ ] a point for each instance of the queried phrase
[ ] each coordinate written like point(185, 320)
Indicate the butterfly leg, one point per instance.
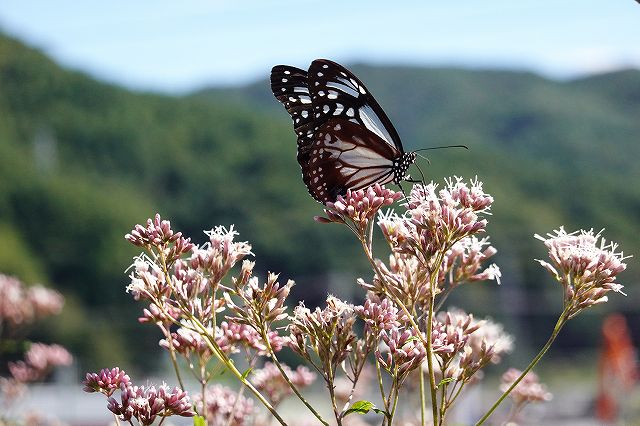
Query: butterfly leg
point(402, 189)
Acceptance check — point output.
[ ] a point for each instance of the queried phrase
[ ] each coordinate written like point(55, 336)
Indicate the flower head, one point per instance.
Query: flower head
point(270, 381)
point(528, 390)
point(463, 262)
point(378, 314)
point(586, 266)
point(159, 235)
point(106, 381)
point(220, 254)
point(436, 219)
point(145, 404)
point(359, 207)
point(39, 361)
point(20, 304)
point(404, 352)
point(222, 406)
point(328, 331)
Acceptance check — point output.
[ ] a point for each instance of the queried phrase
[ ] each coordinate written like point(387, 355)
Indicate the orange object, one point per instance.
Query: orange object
point(617, 368)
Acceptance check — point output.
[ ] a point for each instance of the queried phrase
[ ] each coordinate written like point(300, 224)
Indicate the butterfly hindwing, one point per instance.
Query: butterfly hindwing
point(346, 156)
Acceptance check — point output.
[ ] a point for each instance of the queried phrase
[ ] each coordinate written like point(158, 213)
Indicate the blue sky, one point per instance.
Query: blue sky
point(177, 46)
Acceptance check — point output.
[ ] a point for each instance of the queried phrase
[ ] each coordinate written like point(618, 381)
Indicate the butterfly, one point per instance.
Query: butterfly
point(345, 139)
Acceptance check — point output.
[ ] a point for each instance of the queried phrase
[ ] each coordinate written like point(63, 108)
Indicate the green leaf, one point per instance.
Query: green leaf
point(360, 407)
point(363, 407)
point(247, 372)
point(446, 381)
point(199, 421)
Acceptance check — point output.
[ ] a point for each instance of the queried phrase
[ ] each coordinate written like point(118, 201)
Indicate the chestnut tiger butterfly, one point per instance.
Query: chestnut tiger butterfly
point(345, 139)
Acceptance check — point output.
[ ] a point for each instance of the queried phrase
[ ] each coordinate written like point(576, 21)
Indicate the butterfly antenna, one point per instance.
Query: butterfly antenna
point(424, 158)
point(442, 147)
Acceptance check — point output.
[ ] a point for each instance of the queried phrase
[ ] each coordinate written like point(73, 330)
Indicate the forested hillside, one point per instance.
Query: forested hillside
point(82, 161)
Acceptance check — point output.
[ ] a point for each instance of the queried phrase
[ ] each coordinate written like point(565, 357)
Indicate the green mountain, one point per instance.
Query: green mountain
point(82, 161)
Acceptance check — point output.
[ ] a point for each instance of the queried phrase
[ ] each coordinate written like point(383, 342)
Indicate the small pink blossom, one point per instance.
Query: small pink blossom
point(145, 404)
point(463, 262)
point(186, 342)
point(230, 335)
point(223, 406)
point(359, 206)
point(45, 302)
point(20, 304)
point(404, 353)
point(269, 380)
point(106, 381)
point(39, 361)
point(378, 314)
point(585, 265)
point(528, 390)
point(436, 219)
point(220, 254)
point(159, 235)
point(328, 332)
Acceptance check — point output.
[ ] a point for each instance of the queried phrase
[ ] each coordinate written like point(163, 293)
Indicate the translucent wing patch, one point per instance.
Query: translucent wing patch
point(336, 92)
point(344, 156)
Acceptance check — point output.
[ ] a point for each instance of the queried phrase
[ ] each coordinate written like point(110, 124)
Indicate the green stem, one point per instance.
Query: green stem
point(556, 330)
point(381, 386)
point(396, 394)
point(330, 385)
point(422, 399)
point(172, 352)
point(293, 387)
point(425, 341)
point(429, 327)
point(231, 367)
point(443, 401)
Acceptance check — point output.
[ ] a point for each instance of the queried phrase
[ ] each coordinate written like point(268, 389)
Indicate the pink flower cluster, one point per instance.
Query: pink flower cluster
point(328, 332)
point(404, 352)
point(378, 315)
point(39, 361)
point(141, 403)
point(230, 335)
point(463, 345)
point(586, 266)
point(269, 380)
point(21, 305)
point(359, 207)
point(220, 254)
point(107, 381)
point(145, 404)
point(158, 233)
point(436, 219)
point(463, 262)
point(528, 390)
point(223, 406)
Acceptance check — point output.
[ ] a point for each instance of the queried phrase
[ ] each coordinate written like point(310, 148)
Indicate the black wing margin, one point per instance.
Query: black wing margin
point(336, 92)
point(290, 86)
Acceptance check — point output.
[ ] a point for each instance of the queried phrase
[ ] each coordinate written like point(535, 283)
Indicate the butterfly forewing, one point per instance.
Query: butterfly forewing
point(336, 92)
point(290, 86)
